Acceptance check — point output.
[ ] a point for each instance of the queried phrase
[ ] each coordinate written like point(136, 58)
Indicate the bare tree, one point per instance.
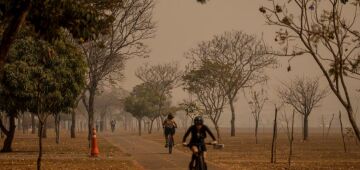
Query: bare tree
point(106, 55)
point(256, 103)
point(304, 94)
point(237, 60)
point(322, 30)
point(162, 78)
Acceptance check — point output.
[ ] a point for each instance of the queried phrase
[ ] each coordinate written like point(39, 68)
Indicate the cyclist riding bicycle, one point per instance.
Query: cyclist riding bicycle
point(198, 134)
point(169, 126)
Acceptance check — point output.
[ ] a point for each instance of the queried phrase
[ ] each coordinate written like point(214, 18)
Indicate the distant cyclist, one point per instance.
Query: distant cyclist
point(198, 134)
point(169, 126)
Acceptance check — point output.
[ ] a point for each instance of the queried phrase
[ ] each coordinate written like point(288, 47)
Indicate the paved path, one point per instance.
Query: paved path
point(151, 155)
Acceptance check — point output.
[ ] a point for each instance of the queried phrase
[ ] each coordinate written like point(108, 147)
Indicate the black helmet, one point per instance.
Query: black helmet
point(198, 120)
point(170, 116)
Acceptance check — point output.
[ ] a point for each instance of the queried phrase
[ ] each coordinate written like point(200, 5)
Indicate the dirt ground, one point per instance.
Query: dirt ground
point(241, 152)
point(69, 154)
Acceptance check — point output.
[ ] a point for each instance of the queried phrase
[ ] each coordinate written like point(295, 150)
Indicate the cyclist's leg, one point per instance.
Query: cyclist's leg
point(194, 150)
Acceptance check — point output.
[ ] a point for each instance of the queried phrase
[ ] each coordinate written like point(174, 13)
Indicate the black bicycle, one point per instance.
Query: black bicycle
point(197, 160)
point(170, 142)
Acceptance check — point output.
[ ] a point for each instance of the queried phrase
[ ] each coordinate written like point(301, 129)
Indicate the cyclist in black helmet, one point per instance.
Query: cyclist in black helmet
point(169, 126)
point(198, 134)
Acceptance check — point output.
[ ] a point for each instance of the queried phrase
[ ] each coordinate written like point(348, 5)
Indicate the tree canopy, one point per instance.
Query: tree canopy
point(39, 71)
point(84, 19)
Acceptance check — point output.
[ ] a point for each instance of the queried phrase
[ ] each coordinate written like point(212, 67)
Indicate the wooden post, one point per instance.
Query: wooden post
point(273, 145)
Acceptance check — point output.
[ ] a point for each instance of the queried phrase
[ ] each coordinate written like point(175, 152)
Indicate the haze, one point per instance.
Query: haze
point(181, 24)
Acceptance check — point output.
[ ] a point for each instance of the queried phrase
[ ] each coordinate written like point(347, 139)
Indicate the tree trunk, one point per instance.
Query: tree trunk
point(91, 113)
point(57, 128)
point(44, 130)
point(218, 132)
point(125, 122)
point(273, 144)
point(353, 122)
point(24, 123)
point(19, 123)
point(151, 125)
point(41, 130)
point(102, 127)
point(342, 132)
point(12, 29)
point(10, 134)
point(256, 131)
point(231, 102)
point(73, 123)
point(291, 139)
point(33, 124)
point(2, 134)
point(158, 124)
point(306, 128)
point(328, 131)
point(139, 124)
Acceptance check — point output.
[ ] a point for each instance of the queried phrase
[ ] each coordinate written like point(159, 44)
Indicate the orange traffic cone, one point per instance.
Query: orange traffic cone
point(94, 146)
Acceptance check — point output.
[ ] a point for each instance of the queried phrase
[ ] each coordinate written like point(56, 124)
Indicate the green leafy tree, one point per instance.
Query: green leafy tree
point(83, 18)
point(162, 78)
point(326, 33)
point(140, 103)
point(43, 78)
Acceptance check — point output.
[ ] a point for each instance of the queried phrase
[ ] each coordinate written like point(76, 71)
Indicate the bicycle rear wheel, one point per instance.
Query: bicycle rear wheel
point(170, 143)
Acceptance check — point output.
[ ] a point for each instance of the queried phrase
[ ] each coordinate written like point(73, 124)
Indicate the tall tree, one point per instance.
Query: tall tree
point(237, 61)
point(10, 89)
point(140, 103)
point(45, 78)
point(83, 18)
point(323, 31)
point(107, 54)
point(304, 94)
point(209, 92)
point(162, 78)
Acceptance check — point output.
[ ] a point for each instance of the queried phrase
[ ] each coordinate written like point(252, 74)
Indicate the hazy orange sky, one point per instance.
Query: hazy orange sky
point(181, 24)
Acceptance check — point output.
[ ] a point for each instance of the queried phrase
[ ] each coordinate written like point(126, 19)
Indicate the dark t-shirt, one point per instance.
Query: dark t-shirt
point(198, 136)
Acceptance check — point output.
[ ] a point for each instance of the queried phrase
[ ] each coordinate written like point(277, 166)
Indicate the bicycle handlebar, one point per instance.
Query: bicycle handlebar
point(206, 143)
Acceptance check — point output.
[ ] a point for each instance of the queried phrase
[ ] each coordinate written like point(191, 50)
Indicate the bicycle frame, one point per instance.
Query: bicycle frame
point(198, 159)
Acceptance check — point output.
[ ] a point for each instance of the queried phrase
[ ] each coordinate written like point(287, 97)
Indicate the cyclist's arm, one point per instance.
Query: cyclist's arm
point(175, 125)
point(210, 133)
point(186, 134)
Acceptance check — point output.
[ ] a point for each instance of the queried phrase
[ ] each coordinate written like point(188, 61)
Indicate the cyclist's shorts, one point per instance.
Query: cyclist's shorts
point(169, 131)
point(203, 147)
